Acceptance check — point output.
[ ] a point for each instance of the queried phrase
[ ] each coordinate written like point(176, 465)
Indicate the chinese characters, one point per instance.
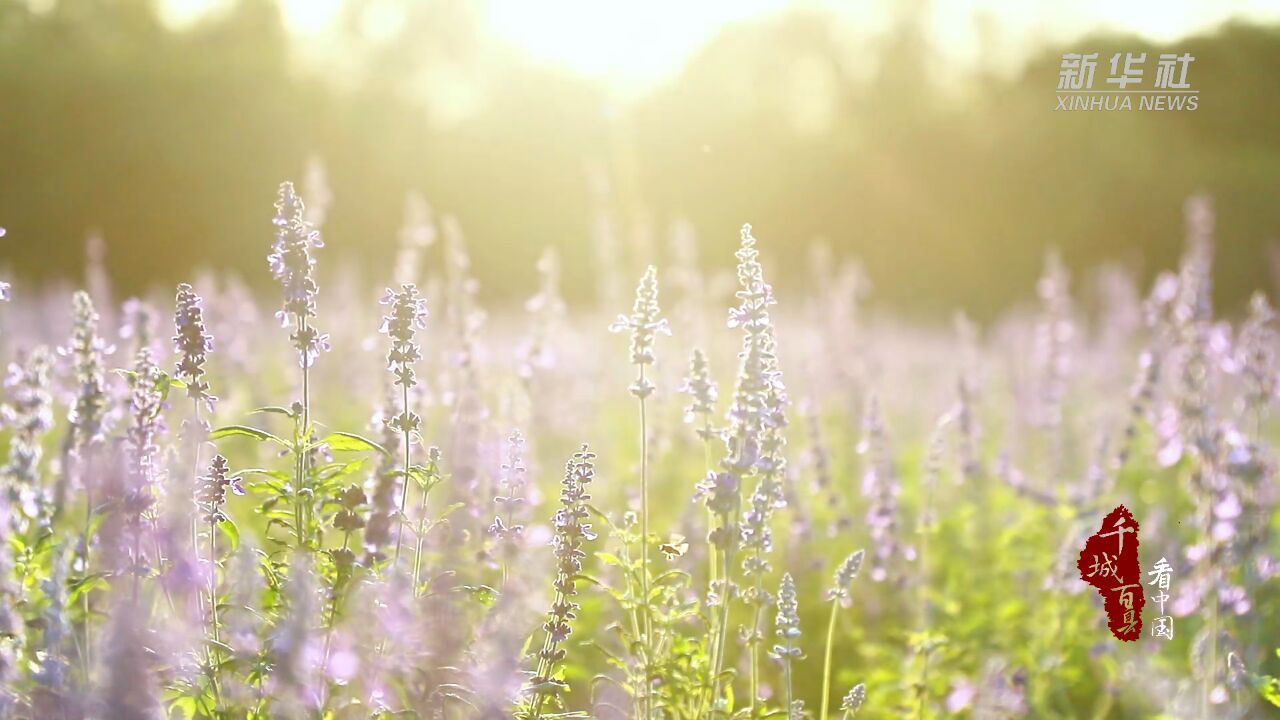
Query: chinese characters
point(1162, 626)
point(1109, 562)
point(1126, 76)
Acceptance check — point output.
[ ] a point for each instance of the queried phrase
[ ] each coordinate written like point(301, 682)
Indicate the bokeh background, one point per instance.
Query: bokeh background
point(919, 137)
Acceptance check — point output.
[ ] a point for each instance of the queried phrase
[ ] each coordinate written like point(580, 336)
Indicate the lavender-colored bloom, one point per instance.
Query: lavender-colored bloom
point(507, 528)
point(787, 627)
point(787, 620)
point(645, 325)
point(464, 393)
point(1054, 334)
point(844, 577)
point(757, 421)
point(211, 490)
point(853, 700)
point(1193, 316)
point(967, 429)
point(138, 324)
point(128, 691)
point(146, 402)
point(1258, 358)
point(408, 315)
point(881, 486)
point(753, 433)
point(546, 310)
point(87, 416)
point(818, 460)
point(571, 533)
point(292, 264)
point(571, 528)
point(193, 344)
point(701, 390)
point(30, 415)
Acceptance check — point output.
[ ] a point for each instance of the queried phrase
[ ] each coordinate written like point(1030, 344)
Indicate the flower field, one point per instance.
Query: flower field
point(745, 501)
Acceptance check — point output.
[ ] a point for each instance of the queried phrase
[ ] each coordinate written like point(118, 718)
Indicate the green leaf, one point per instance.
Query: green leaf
point(86, 584)
point(350, 442)
point(550, 687)
point(482, 594)
point(1269, 688)
point(185, 706)
point(231, 532)
point(245, 431)
point(333, 471)
point(277, 474)
point(272, 409)
point(449, 510)
point(425, 479)
point(610, 559)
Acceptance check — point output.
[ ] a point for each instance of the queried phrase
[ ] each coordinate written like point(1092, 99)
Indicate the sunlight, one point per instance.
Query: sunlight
point(302, 16)
point(309, 16)
point(625, 43)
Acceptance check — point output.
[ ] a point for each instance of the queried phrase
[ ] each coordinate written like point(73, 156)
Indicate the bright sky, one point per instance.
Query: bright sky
point(633, 45)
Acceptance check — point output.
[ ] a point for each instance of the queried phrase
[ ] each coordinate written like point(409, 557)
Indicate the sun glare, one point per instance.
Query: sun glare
point(632, 46)
point(625, 42)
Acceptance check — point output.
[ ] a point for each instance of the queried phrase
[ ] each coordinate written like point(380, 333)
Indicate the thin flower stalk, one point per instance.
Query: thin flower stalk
point(432, 476)
point(572, 532)
point(645, 324)
point(702, 393)
point(752, 410)
point(408, 315)
point(507, 528)
point(210, 498)
point(86, 428)
point(839, 598)
point(788, 652)
point(292, 264)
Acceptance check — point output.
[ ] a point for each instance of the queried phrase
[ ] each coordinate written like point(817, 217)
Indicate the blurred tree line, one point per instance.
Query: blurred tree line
point(948, 185)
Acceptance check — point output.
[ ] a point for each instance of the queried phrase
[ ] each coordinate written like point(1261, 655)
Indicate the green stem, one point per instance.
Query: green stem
point(302, 510)
point(756, 622)
point(724, 623)
point(420, 536)
point(212, 654)
point(826, 660)
point(787, 677)
point(87, 654)
point(646, 614)
point(922, 688)
point(706, 464)
point(338, 584)
point(404, 496)
point(1211, 668)
point(545, 666)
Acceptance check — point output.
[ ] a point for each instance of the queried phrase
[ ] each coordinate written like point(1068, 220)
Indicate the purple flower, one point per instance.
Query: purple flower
point(292, 264)
point(193, 344)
